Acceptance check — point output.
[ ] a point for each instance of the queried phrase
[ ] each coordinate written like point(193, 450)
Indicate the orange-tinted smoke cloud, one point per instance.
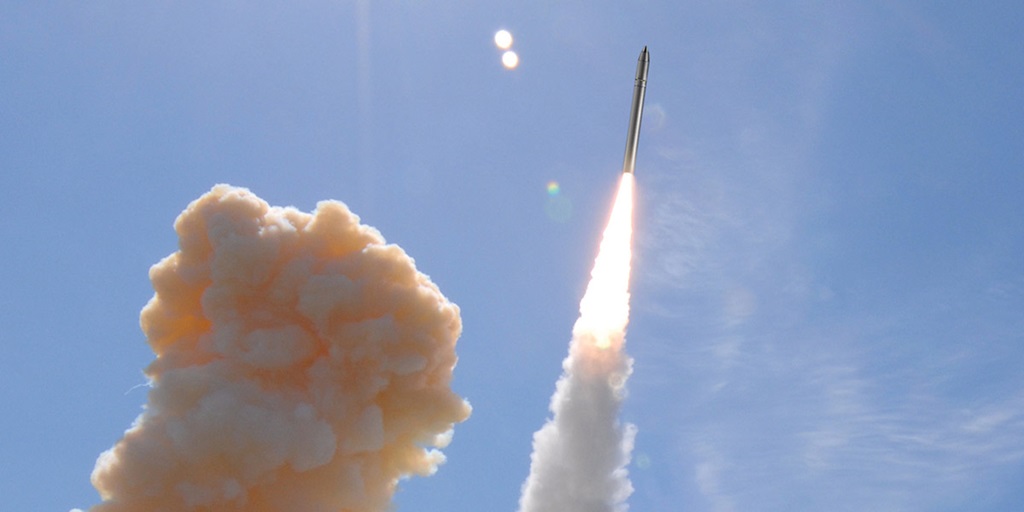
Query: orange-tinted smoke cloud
point(302, 365)
point(580, 455)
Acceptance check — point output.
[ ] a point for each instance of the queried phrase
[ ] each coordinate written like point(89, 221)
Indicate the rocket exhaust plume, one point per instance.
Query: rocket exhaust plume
point(580, 455)
point(302, 365)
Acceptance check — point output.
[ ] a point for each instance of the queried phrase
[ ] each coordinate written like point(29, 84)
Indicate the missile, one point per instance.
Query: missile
point(636, 112)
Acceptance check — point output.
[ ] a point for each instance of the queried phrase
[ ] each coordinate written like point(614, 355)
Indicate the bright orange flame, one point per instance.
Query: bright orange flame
point(580, 455)
point(604, 310)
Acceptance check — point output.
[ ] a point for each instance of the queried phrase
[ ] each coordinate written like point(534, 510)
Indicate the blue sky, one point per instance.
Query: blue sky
point(828, 280)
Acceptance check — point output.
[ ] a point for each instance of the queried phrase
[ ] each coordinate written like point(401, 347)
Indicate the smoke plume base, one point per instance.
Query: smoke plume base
point(302, 365)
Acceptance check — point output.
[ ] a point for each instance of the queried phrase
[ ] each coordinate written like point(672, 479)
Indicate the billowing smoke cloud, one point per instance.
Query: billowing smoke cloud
point(302, 365)
point(580, 455)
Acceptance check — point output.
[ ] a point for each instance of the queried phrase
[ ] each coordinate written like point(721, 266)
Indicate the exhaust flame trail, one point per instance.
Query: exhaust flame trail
point(302, 366)
point(580, 455)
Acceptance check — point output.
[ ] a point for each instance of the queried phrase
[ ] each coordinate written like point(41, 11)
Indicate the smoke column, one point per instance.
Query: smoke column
point(302, 365)
point(580, 455)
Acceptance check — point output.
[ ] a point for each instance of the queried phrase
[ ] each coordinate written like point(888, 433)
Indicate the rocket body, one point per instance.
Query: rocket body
point(636, 112)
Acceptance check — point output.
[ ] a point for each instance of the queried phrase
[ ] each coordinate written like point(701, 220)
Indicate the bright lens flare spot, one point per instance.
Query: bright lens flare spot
point(503, 39)
point(604, 310)
point(509, 59)
point(553, 188)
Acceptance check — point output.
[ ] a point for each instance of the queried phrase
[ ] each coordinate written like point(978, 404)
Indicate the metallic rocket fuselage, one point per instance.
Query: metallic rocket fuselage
point(636, 112)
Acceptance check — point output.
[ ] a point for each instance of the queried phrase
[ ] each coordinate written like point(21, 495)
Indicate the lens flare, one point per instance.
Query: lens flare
point(553, 188)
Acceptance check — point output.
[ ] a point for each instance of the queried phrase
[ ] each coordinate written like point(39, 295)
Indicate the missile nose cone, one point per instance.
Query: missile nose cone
point(642, 63)
point(643, 60)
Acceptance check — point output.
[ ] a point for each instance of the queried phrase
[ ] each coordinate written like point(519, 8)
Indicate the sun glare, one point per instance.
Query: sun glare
point(503, 39)
point(509, 59)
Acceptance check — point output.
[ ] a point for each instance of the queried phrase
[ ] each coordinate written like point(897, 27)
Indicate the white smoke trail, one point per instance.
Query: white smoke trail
point(302, 366)
point(580, 455)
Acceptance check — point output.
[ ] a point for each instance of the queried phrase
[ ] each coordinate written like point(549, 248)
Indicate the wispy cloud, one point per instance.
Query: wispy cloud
point(786, 393)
